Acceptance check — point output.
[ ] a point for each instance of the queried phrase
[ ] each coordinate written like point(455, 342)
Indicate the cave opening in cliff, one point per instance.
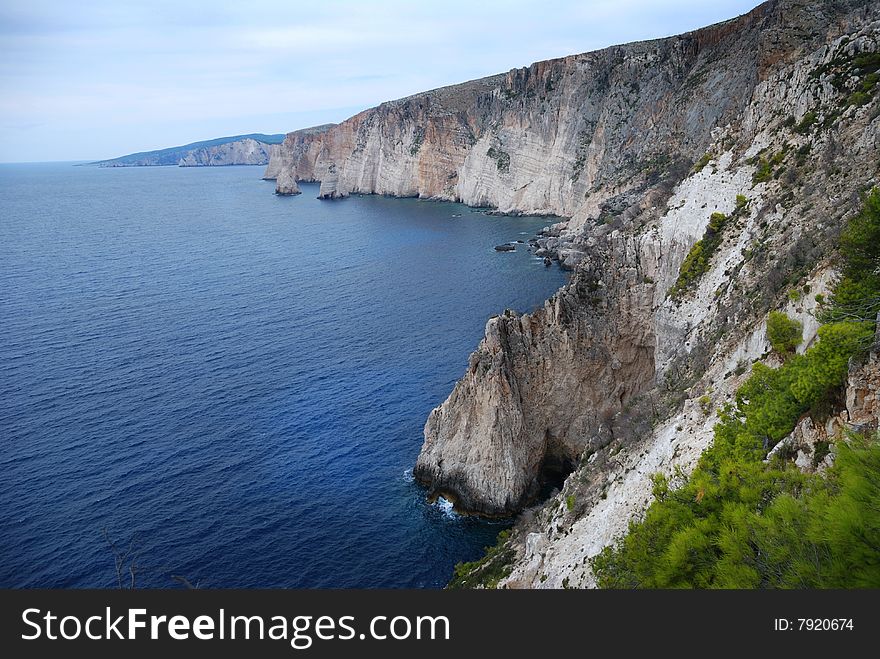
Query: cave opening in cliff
point(555, 468)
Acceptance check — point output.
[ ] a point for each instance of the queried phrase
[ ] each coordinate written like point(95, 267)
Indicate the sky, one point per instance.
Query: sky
point(92, 79)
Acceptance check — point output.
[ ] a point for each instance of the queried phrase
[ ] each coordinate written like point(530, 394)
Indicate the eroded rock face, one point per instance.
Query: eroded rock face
point(246, 151)
point(707, 341)
point(285, 183)
point(863, 391)
point(553, 550)
point(293, 160)
point(540, 386)
point(808, 444)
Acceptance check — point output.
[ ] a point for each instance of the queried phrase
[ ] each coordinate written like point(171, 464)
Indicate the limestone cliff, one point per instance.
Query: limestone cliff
point(541, 383)
point(566, 137)
point(252, 149)
point(804, 149)
point(247, 151)
point(289, 162)
point(770, 119)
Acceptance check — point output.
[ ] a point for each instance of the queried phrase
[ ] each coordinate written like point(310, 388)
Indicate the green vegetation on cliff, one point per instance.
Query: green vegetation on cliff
point(501, 158)
point(699, 258)
point(785, 334)
point(487, 571)
point(740, 522)
point(857, 294)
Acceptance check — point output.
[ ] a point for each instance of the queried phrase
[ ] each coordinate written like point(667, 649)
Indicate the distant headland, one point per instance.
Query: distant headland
point(251, 149)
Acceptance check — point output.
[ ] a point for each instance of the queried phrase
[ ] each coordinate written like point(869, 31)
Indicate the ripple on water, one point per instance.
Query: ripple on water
point(236, 379)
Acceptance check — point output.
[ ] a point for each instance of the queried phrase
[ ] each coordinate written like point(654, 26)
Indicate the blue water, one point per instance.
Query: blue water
point(237, 380)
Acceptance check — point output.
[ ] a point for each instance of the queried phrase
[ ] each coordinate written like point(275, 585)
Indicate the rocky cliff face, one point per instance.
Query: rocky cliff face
point(804, 149)
point(770, 119)
point(516, 411)
point(543, 386)
point(293, 160)
point(551, 544)
point(247, 151)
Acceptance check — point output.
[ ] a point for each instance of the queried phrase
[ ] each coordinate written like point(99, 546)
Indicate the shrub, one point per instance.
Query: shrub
point(501, 158)
point(698, 259)
point(765, 166)
point(740, 523)
point(802, 153)
point(763, 173)
point(856, 294)
point(803, 127)
point(569, 502)
point(705, 404)
point(659, 486)
point(858, 98)
point(487, 571)
point(702, 162)
point(784, 333)
point(867, 62)
point(417, 141)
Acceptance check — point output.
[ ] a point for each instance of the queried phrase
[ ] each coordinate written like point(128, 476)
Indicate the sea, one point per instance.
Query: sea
point(221, 387)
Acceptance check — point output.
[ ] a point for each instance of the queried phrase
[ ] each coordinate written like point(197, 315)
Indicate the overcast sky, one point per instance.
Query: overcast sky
point(90, 79)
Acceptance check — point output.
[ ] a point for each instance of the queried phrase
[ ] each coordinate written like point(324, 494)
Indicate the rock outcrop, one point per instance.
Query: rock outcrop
point(524, 405)
point(291, 161)
point(799, 157)
point(542, 387)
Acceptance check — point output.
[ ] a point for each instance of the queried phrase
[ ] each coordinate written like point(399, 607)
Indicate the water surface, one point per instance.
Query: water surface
point(240, 379)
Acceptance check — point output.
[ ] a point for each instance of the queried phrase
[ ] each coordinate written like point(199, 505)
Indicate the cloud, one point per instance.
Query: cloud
point(158, 70)
point(317, 39)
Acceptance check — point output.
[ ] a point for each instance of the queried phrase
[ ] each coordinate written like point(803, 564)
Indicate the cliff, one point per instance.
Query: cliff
point(290, 162)
point(543, 139)
point(253, 149)
point(799, 157)
point(541, 386)
point(241, 152)
point(769, 120)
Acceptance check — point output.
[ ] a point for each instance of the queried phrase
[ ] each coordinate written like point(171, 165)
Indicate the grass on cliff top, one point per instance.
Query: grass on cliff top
point(739, 522)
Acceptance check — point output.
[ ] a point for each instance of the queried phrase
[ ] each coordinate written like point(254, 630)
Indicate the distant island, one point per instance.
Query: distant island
point(251, 149)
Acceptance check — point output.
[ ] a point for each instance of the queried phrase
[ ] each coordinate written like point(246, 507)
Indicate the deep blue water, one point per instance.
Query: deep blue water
point(239, 379)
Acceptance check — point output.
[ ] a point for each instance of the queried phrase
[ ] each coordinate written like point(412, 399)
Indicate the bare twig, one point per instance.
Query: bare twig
point(128, 560)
